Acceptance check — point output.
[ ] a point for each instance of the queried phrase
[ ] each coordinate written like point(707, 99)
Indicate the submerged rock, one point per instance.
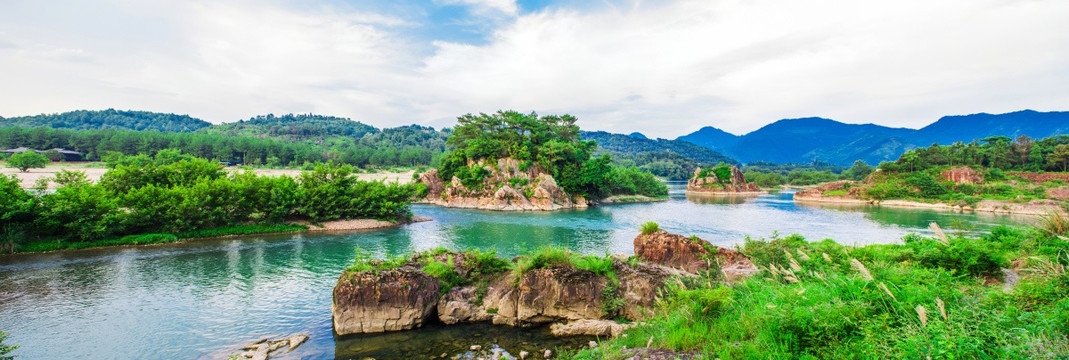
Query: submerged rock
point(264, 348)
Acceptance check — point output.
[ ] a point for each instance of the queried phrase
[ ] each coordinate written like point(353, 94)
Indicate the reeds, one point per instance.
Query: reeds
point(857, 265)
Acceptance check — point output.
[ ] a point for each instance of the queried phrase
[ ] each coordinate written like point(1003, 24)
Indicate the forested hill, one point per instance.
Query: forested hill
point(817, 139)
point(627, 144)
point(110, 119)
point(671, 159)
point(294, 127)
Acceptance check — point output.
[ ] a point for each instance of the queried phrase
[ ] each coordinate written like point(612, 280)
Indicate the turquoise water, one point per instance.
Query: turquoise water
point(203, 299)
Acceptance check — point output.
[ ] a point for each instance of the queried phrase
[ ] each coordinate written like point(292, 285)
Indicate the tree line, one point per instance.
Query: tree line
point(174, 193)
point(403, 146)
point(996, 152)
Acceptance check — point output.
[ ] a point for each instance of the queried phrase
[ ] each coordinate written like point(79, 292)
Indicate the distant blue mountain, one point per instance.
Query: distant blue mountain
point(638, 135)
point(712, 138)
point(808, 139)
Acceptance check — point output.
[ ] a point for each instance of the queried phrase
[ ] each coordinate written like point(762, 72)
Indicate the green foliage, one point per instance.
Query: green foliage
point(110, 119)
point(252, 229)
point(965, 256)
point(671, 159)
point(6, 349)
point(815, 304)
point(190, 197)
point(401, 146)
point(858, 172)
point(27, 160)
point(996, 152)
point(446, 272)
point(550, 142)
point(650, 227)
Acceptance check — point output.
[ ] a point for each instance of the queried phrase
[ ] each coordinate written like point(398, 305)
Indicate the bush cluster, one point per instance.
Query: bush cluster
point(176, 194)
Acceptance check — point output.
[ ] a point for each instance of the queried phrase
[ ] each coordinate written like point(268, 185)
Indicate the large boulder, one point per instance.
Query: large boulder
point(639, 287)
point(675, 251)
point(384, 300)
point(558, 293)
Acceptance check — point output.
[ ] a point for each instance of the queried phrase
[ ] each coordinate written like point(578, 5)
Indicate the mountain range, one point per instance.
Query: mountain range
point(811, 139)
point(799, 141)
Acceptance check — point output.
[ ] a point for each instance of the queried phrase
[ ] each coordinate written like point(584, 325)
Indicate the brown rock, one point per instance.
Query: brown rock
point(675, 251)
point(963, 175)
point(711, 183)
point(383, 300)
point(589, 327)
point(559, 293)
point(639, 287)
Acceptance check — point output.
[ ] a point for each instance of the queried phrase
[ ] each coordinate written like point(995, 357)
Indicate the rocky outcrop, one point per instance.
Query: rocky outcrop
point(845, 191)
point(675, 251)
point(384, 300)
point(710, 183)
point(507, 188)
point(963, 175)
point(584, 301)
point(691, 254)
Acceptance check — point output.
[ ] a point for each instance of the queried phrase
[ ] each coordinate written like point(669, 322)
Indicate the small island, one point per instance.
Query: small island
point(525, 162)
point(721, 180)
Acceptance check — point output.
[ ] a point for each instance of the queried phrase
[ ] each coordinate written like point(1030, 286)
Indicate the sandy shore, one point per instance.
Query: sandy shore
point(362, 224)
point(95, 170)
point(1033, 208)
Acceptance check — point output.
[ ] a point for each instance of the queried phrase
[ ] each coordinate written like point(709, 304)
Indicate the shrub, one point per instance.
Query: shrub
point(650, 227)
point(963, 256)
point(26, 160)
point(446, 272)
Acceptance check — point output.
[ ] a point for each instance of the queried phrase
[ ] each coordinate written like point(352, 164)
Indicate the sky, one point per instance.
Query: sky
point(663, 68)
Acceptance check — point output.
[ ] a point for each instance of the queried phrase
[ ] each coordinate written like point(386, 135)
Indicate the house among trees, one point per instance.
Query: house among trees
point(54, 154)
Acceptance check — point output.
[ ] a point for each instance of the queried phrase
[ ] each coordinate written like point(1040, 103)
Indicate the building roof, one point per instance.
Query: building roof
point(24, 149)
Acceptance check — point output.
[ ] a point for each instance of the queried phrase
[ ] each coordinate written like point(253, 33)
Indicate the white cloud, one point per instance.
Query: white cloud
point(664, 69)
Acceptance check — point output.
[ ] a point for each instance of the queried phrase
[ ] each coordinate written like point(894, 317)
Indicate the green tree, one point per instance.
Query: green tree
point(27, 160)
point(1059, 156)
point(858, 171)
point(6, 349)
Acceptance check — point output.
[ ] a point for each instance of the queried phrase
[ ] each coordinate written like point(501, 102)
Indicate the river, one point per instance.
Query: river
point(201, 299)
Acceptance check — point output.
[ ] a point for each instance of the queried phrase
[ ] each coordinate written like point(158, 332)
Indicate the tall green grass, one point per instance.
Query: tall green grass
point(917, 300)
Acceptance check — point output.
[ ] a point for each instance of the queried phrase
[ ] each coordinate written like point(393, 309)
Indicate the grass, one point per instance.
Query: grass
point(252, 229)
point(150, 239)
point(144, 239)
point(650, 227)
point(919, 299)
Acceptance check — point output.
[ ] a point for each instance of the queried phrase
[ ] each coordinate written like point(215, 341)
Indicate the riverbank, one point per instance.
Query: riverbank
point(1030, 208)
point(141, 240)
point(926, 298)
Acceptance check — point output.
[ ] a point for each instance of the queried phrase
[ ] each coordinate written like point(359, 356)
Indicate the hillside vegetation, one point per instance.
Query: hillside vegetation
point(671, 159)
point(110, 119)
point(927, 298)
point(1011, 171)
point(174, 195)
